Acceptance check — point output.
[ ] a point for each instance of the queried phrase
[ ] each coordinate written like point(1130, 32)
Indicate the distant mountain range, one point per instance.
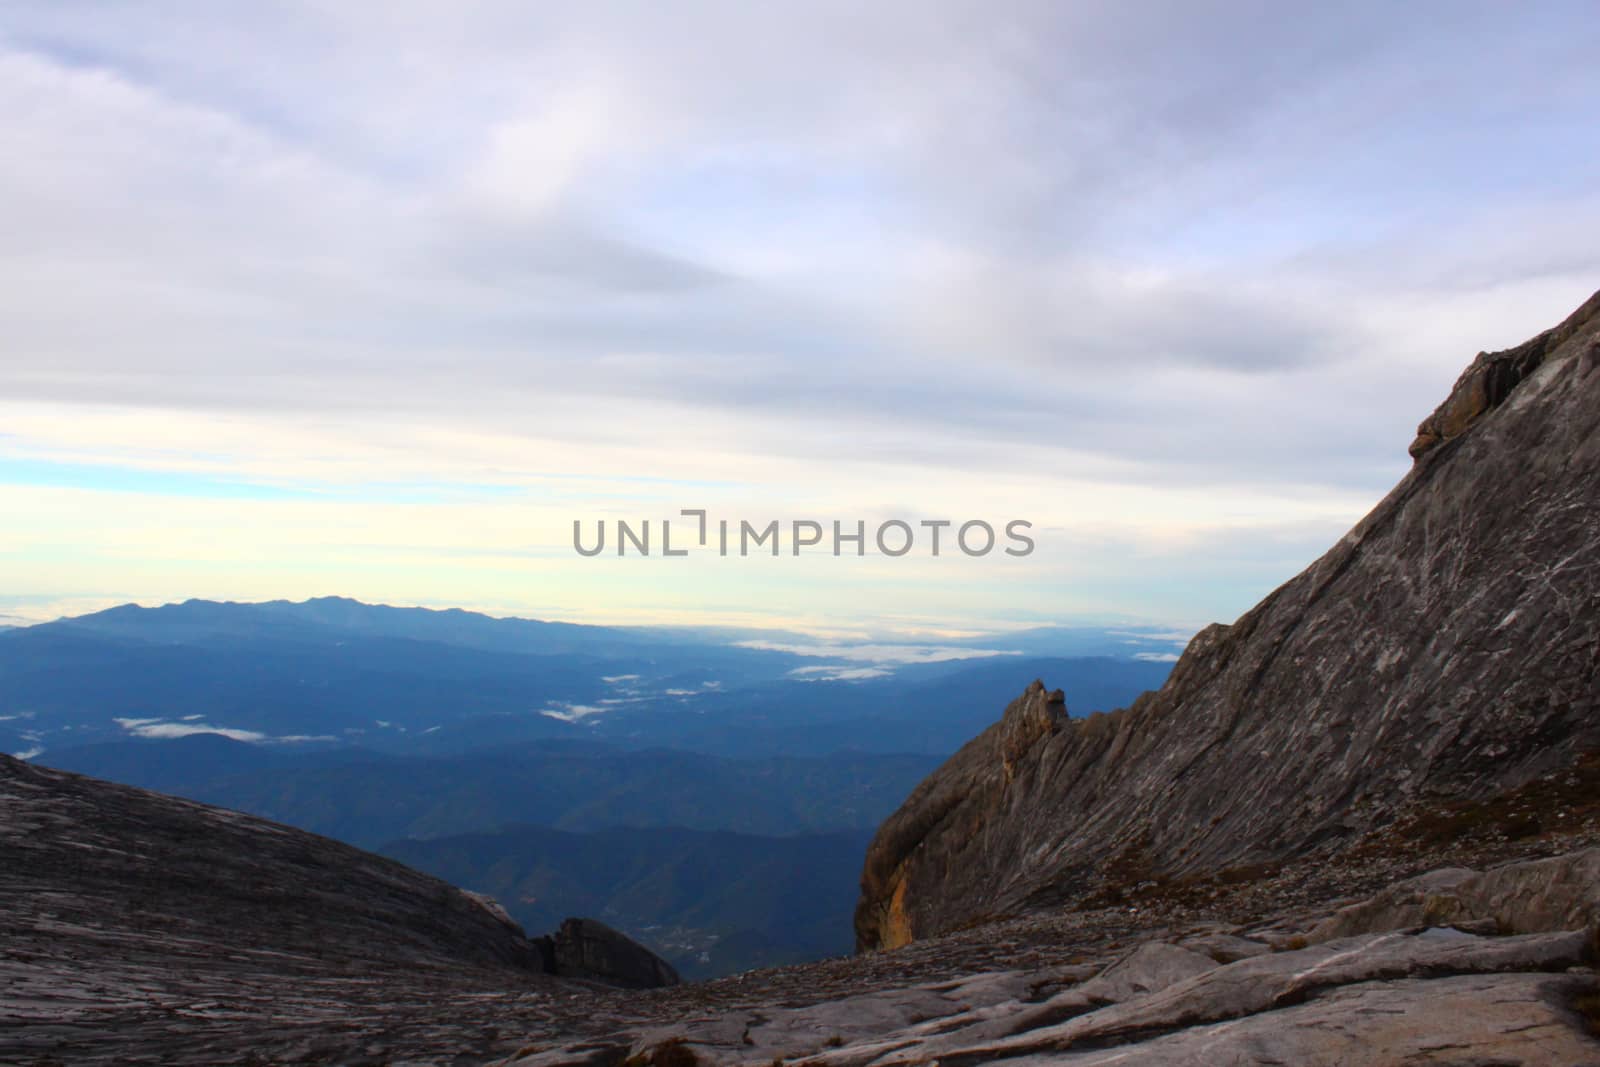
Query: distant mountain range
point(590, 770)
point(370, 798)
point(719, 864)
point(335, 672)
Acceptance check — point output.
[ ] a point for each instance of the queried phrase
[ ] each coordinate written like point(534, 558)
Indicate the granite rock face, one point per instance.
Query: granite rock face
point(1448, 646)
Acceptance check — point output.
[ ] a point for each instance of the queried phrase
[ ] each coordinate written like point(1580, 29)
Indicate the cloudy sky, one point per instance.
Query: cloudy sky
point(375, 299)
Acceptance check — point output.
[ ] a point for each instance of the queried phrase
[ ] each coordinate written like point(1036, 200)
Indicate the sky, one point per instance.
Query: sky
point(377, 299)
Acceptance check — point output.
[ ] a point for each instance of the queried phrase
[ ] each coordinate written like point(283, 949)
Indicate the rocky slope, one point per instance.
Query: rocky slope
point(1447, 647)
point(139, 928)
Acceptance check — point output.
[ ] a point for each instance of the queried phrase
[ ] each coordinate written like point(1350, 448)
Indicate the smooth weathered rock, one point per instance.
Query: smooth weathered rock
point(1402, 905)
point(143, 929)
point(1447, 647)
point(772, 1032)
point(75, 850)
point(1559, 893)
point(1248, 988)
point(1373, 999)
point(1504, 1020)
point(1148, 969)
point(1257, 985)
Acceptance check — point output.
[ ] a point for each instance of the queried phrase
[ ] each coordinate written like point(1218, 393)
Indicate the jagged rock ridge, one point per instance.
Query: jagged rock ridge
point(1448, 645)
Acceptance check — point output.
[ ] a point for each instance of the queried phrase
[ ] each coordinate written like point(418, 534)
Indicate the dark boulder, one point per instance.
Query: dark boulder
point(587, 948)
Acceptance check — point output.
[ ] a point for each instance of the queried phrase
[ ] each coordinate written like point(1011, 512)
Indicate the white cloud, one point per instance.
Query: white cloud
point(168, 730)
point(1176, 276)
point(574, 712)
point(839, 674)
point(871, 653)
point(158, 729)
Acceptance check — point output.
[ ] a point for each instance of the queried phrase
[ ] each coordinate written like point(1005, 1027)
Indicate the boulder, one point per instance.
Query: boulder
point(587, 948)
point(1397, 907)
point(1559, 893)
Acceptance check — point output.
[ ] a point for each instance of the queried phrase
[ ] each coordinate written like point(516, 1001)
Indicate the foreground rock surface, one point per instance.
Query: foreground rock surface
point(1224, 996)
point(143, 929)
point(1447, 647)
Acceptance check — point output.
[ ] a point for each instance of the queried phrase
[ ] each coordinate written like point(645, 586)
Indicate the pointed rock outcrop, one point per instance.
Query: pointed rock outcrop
point(972, 789)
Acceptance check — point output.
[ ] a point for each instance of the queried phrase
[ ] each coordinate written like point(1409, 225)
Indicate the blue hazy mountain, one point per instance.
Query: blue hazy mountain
point(210, 622)
point(369, 798)
point(721, 865)
point(411, 680)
